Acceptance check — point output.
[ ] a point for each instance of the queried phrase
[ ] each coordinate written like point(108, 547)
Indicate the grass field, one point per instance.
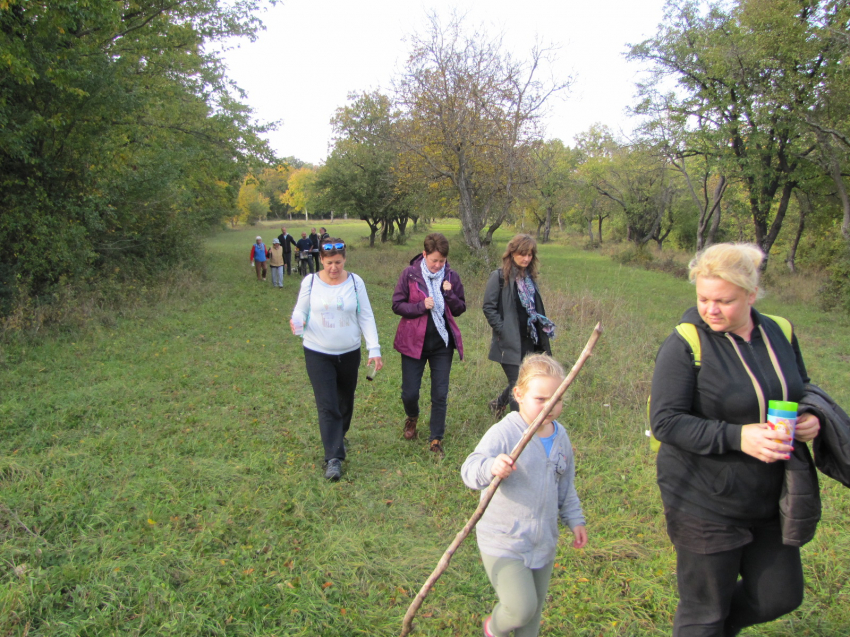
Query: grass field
point(161, 474)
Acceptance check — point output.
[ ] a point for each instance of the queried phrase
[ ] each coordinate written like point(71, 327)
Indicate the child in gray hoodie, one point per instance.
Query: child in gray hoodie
point(518, 533)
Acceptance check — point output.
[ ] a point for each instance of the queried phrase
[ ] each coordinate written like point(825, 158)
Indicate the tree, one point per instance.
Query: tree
point(747, 75)
point(301, 190)
point(360, 175)
point(470, 111)
point(554, 166)
point(272, 183)
point(638, 181)
point(698, 165)
point(253, 205)
point(119, 135)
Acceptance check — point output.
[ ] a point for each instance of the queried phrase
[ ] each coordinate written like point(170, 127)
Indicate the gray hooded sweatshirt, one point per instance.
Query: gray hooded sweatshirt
point(521, 521)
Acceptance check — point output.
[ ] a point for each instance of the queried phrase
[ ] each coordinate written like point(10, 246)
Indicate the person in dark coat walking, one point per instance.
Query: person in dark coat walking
point(305, 254)
point(514, 309)
point(428, 297)
point(721, 468)
point(286, 242)
point(314, 239)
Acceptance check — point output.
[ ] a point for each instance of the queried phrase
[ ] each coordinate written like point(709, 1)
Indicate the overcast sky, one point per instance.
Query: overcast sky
point(313, 53)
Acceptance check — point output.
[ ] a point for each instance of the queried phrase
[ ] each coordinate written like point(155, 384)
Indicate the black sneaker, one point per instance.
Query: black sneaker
point(333, 470)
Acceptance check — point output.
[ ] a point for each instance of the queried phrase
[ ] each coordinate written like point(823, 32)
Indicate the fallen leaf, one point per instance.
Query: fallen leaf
point(327, 585)
point(248, 571)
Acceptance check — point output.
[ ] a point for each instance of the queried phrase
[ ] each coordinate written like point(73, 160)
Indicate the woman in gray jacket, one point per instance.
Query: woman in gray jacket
point(514, 309)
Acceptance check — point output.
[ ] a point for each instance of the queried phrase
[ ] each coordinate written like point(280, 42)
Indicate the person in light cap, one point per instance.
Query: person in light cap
point(275, 255)
point(258, 258)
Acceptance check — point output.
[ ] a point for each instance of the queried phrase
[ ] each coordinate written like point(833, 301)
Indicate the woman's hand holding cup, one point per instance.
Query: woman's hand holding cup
point(760, 441)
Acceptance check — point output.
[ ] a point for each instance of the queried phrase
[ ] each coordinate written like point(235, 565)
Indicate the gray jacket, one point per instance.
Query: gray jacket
point(521, 521)
point(505, 344)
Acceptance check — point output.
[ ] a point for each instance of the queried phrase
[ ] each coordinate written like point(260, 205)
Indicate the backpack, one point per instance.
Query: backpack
point(690, 333)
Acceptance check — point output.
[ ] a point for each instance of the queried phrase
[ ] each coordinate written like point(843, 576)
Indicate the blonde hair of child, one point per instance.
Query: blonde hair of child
point(737, 263)
point(537, 365)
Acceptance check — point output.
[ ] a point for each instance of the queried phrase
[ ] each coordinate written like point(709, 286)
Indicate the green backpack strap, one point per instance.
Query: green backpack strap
point(687, 331)
point(784, 324)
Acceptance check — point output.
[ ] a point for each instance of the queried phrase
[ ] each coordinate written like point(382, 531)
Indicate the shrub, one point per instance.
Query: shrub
point(835, 293)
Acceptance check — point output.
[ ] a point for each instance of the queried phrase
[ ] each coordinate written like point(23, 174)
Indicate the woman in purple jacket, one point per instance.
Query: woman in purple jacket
point(428, 297)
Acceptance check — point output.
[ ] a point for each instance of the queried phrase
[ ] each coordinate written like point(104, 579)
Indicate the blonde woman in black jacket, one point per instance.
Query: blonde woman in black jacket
point(720, 467)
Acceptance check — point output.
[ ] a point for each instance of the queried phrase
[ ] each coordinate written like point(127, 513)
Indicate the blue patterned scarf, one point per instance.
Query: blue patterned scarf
point(525, 289)
point(434, 281)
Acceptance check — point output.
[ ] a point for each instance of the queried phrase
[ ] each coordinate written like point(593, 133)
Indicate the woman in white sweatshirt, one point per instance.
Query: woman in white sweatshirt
point(333, 311)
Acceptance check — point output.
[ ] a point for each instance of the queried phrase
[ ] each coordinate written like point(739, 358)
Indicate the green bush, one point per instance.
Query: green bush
point(835, 293)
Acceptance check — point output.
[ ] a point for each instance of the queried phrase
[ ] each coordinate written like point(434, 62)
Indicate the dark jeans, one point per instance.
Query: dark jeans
point(316, 260)
point(334, 379)
point(440, 362)
point(713, 602)
point(287, 261)
point(507, 395)
point(527, 346)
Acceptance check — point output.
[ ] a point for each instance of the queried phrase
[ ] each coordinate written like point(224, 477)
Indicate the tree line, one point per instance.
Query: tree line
point(744, 135)
point(120, 136)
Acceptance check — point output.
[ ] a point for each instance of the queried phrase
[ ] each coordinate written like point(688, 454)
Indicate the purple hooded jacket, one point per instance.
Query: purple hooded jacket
point(409, 303)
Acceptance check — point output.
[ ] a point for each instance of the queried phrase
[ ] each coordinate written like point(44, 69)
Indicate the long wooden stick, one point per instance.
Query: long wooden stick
point(443, 564)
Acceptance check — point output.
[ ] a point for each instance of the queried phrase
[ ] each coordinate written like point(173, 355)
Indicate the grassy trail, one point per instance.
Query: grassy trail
point(162, 475)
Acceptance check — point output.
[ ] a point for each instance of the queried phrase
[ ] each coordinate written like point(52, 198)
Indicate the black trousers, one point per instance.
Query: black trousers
point(287, 261)
point(527, 346)
point(334, 379)
point(507, 395)
point(316, 260)
point(440, 362)
point(714, 602)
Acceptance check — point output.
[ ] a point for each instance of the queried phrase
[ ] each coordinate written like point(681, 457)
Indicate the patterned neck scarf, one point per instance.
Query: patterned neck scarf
point(525, 289)
point(434, 281)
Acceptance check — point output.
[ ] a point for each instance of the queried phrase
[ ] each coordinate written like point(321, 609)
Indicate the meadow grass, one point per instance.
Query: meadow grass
point(161, 473)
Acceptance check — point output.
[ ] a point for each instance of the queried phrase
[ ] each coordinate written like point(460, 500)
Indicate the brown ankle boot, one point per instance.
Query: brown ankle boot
point(437, 448)
point(410, 427)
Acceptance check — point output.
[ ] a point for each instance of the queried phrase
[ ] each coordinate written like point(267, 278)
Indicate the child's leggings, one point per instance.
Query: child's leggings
point(521, 592)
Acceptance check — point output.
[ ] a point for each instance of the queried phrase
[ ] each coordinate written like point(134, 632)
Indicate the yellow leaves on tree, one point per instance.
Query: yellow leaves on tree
point(301, 190)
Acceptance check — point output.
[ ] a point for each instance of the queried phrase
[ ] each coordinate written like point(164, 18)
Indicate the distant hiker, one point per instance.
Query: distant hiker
point(428, 297)
point(275, 255)
point(518, 533)
point(286, 241)
point(314, 239)
point(734, 514)
point(332, 313)
point(258, 258)
point(514, 309)
point(305, 260)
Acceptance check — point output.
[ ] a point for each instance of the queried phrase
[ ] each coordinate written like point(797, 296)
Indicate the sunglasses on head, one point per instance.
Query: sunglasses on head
point(327, 247)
